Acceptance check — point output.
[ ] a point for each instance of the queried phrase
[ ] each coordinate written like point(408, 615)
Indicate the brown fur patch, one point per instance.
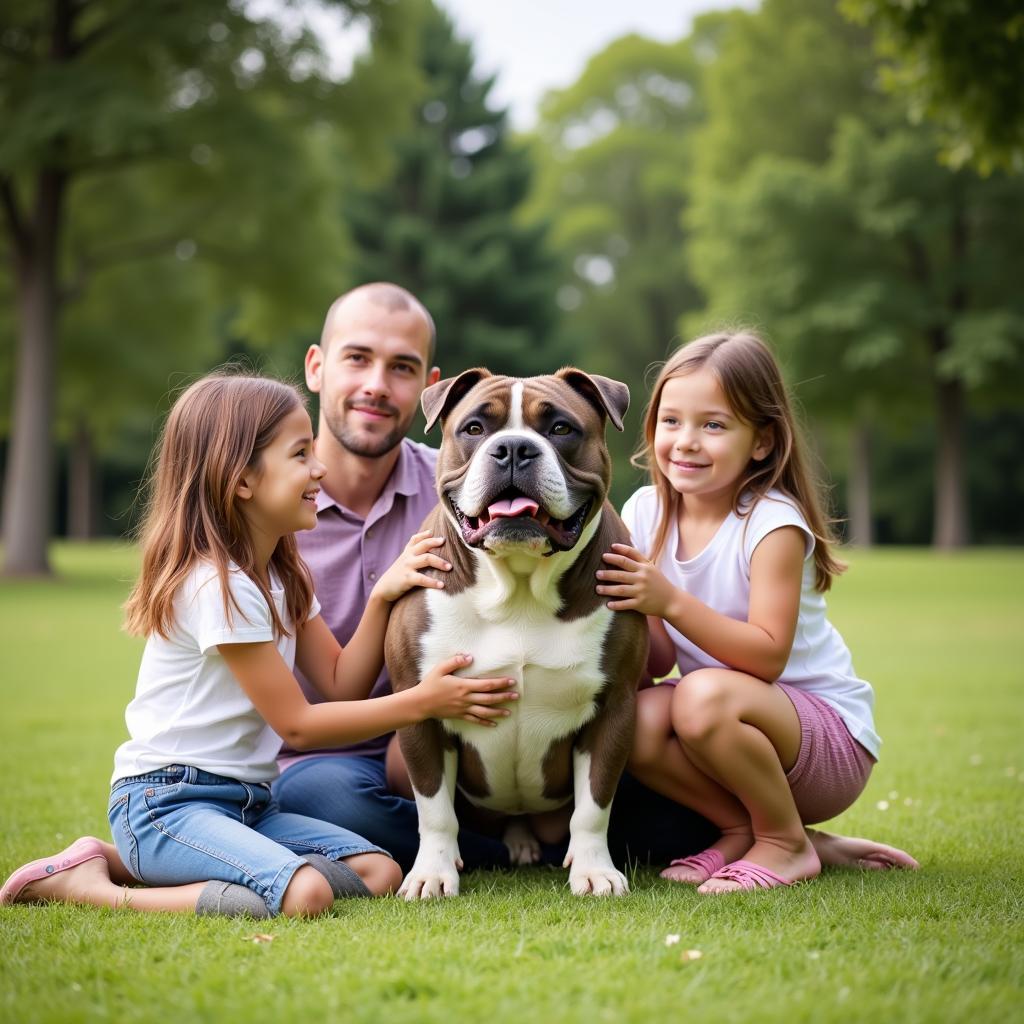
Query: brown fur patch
point(557, 769)
point(472, 772)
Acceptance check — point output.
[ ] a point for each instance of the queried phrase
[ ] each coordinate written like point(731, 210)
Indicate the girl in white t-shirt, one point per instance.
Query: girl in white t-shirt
point(227, 607)
point(769, 727)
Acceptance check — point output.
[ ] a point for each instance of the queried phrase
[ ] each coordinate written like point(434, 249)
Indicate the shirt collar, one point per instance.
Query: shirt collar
point(402, 480)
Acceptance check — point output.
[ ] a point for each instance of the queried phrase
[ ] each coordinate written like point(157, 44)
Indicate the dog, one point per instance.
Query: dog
point(522, 482)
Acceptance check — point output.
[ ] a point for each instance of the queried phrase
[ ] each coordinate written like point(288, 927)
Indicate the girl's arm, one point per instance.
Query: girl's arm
point(264, 676)
point(761, 645)
point(662, 655)
point(349, 672)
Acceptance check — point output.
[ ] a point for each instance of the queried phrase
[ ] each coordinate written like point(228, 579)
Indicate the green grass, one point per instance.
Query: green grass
point(942, 639)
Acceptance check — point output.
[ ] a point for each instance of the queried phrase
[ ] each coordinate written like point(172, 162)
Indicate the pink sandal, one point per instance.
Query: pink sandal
point(77, 853)
point(750, 876)
point(707, 861)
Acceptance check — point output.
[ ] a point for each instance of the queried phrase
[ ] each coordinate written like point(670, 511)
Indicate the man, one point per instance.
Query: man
point(375, 357)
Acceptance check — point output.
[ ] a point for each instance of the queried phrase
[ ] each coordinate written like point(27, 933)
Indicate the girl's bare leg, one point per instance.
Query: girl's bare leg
point(661, 763)
point(746, 734)
point(89, 883)
point(380, 874)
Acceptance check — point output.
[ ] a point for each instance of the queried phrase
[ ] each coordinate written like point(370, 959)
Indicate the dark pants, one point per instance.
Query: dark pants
point(352, 792)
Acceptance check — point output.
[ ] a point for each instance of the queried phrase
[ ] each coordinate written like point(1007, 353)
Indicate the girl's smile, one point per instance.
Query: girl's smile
point(700, 445)
point(280, 495)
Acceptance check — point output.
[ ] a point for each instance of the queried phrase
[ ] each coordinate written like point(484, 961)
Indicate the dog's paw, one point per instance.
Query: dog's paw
point(431, 878)
point(523, 847)
point(421, 886)
point(592, 873)
point(598, 882)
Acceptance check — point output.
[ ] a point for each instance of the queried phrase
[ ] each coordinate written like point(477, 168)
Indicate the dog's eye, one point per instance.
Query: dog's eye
point(561, 428)
point(473, 428)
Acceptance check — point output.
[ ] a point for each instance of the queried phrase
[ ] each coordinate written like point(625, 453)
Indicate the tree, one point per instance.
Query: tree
point(958, 65)
point(886, 278)
point(615, 150)
point(155, 131)
point(445, 222)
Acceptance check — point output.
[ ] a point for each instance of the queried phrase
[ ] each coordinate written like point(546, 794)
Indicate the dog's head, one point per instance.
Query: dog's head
point(523, 465)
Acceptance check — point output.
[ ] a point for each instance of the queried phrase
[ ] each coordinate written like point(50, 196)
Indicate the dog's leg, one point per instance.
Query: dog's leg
point(436, 869)
point(522, 844)
point(598, 759)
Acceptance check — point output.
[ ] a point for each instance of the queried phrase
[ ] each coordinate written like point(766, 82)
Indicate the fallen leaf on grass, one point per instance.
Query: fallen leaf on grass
point(259, 938)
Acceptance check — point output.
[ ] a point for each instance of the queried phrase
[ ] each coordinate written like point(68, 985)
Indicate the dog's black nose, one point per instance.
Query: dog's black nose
point(516, 453)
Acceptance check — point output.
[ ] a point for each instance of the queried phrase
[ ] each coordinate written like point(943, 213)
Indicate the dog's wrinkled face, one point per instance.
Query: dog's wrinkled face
point(524, 465)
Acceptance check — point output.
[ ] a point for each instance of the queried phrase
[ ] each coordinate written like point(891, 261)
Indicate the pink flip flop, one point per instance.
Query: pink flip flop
point(750, 876)
point(77, 853)
point(707, 862)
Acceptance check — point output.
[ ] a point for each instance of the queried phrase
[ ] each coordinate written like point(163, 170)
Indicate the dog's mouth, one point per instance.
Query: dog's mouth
point(519, 517)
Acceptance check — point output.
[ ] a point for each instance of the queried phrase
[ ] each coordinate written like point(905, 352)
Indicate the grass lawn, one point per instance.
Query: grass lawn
point(941, 638)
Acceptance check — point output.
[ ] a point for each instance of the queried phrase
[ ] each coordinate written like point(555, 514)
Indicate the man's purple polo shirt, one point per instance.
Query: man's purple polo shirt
point(346, 554)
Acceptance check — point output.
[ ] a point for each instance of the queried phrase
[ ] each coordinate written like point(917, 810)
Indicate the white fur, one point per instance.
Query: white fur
point(590, 864)
point(507, 622)
point(436, 869)
point(471, 496)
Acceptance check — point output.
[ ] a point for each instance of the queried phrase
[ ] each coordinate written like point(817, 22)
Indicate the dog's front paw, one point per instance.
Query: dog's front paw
point(523, 847)
point(433, 875)
point(592, 873)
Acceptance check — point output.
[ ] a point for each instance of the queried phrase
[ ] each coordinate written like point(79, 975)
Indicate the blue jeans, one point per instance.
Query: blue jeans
point(179, 824)
point(352, 792)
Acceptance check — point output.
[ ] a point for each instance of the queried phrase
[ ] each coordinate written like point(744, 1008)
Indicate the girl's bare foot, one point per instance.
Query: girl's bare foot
point(119, 874)
point(88, 882)
point(790, 862)
point(847, 852)
point(77, 874)
point(732, 845)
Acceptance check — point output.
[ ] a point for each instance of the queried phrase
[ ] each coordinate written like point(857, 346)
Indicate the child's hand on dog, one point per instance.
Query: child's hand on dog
point(406, 571)
point(445, 695)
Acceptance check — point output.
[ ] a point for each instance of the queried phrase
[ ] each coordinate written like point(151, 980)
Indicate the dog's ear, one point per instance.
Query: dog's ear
point(439, 399)
point(609, 397)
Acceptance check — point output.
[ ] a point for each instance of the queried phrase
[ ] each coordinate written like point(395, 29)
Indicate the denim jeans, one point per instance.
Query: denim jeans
point(180, 824)
point(352, 792)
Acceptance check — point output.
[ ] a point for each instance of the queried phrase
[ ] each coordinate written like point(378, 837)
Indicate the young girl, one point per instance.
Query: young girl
point(769, 727)
point(227, 607)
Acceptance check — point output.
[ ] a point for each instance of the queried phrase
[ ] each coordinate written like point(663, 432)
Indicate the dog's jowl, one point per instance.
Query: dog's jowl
point(522, 479)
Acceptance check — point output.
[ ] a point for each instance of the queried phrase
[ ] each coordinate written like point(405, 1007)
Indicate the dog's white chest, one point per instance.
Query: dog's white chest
point(557, 667)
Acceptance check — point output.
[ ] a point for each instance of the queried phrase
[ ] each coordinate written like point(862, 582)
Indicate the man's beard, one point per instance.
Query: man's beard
point(359, 444)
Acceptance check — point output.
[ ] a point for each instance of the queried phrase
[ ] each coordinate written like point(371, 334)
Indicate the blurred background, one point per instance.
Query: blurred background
point(560, 182)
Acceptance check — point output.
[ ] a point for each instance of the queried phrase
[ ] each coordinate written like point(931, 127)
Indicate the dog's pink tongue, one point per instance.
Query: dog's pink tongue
point(513, 507)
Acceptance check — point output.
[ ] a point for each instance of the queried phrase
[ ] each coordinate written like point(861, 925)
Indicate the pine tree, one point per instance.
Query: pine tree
point(443, 223)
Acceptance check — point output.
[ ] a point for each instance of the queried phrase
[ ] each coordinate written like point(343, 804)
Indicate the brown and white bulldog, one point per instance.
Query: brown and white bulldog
point(522, 478)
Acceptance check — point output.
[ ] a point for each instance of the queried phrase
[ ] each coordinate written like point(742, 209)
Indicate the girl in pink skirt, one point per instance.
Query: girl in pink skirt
point(769, 728)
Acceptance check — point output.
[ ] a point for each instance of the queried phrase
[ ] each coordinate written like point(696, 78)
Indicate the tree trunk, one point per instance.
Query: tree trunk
point(28, 479)
point(858, 486)
point(951, 523)
point(83, 484)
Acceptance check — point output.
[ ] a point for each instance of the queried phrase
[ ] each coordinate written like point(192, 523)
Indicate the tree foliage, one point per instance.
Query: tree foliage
point(958, 64)
point(165, 174)
point(445, 224)
point(886, 280)
point(615, 152)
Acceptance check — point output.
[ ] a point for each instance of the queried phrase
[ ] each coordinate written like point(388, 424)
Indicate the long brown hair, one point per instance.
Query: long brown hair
point(215, 432)
point(753, 386)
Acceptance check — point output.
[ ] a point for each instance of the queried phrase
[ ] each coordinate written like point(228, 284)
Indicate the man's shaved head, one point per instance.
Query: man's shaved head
point(390, 297)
